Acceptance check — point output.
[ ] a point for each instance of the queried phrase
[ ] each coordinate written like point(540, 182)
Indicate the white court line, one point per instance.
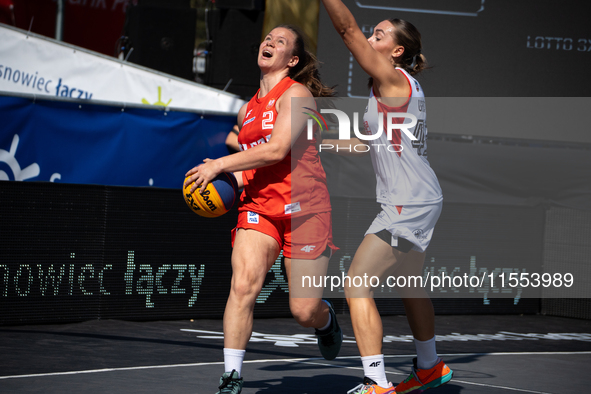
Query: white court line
point(312, 361)
point(37, 375)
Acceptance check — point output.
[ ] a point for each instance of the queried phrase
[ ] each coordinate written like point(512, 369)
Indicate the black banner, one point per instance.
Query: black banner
point(79, 252)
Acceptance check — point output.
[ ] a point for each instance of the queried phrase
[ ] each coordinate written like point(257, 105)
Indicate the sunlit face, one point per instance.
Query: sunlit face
point(382, 40)
point(275, 52)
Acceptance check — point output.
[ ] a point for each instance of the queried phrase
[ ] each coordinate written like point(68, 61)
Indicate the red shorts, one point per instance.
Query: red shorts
point(305, 237)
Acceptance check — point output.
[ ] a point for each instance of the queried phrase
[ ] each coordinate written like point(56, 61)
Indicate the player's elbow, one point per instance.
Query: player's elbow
point(275, 156)
point(275, 153)
point(346, 31)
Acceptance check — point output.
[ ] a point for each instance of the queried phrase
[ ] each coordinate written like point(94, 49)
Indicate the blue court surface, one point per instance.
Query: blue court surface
point(489, 354)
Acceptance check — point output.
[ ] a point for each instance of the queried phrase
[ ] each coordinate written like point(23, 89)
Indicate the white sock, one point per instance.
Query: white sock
point(373, 368)
point(233, 359)
point(327, 326)
point(426, 353)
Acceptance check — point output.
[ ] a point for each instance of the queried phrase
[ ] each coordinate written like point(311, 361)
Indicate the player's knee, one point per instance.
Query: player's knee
point(350, 291)
point(246, 286)
point(358, 291)
point(305, 313)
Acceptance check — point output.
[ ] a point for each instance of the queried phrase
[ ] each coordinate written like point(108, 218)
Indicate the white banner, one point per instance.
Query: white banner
point(33, 64)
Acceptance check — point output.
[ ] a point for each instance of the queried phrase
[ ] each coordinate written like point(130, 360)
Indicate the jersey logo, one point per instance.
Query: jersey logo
point(253, 217)
point(270, 104)
point(422, 105)
point(308, 248)
point(248, 121)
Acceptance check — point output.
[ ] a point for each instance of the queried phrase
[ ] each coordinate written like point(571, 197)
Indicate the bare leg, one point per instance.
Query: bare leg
point(306, 304)
point(367, 325)
point(417, 304)
point(374, 257)
point(253, 255)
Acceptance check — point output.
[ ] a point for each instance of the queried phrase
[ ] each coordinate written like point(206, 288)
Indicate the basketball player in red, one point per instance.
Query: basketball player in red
point(274, 214)
point(409, 193)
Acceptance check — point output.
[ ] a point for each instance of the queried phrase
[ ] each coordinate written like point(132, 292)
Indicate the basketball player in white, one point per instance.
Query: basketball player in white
point(410, 195)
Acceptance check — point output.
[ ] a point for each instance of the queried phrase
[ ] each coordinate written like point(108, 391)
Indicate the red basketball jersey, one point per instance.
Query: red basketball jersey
point(292, 187)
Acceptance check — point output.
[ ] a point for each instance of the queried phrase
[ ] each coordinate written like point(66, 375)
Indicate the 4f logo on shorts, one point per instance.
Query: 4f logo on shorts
point(419, 234)
point(292, 208)
point(253, 217)
point(308, 248)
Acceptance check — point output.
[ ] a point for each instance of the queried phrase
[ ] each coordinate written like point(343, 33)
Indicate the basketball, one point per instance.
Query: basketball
point(217, 199)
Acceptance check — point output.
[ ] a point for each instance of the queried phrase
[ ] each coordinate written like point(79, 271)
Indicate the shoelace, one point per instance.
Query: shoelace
point(359, 389)
point(413, 374)
point(228, 381)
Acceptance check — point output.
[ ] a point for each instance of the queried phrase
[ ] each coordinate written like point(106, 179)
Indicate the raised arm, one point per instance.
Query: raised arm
point(374, 63)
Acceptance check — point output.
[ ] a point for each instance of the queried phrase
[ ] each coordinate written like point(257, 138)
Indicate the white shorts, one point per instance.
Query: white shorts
point(414, 223)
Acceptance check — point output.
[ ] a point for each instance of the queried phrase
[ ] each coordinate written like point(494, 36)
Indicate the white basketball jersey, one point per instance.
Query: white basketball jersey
point(404, 176)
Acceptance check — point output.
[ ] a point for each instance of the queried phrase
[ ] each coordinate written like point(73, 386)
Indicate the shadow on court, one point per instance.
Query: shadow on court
point(303, 385)
point(489, 354)
point(316, 384)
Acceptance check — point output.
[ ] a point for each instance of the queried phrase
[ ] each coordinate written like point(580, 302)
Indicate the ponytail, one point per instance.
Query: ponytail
point(418, 64)
point(407, 35)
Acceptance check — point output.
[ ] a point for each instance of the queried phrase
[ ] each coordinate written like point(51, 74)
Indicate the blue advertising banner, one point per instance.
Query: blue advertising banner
point(71, 141)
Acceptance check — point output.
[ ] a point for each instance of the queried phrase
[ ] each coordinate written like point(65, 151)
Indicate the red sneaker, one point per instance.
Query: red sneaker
point(423, 379)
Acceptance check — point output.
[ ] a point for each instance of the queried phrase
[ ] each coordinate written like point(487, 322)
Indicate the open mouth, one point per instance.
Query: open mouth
point(267, 54)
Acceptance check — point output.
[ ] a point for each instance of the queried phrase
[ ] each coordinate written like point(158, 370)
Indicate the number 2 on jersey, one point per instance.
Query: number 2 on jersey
point(267, 120)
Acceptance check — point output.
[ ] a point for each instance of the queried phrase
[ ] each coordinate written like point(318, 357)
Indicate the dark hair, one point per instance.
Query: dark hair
point(407, 35)
point(306, 71)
